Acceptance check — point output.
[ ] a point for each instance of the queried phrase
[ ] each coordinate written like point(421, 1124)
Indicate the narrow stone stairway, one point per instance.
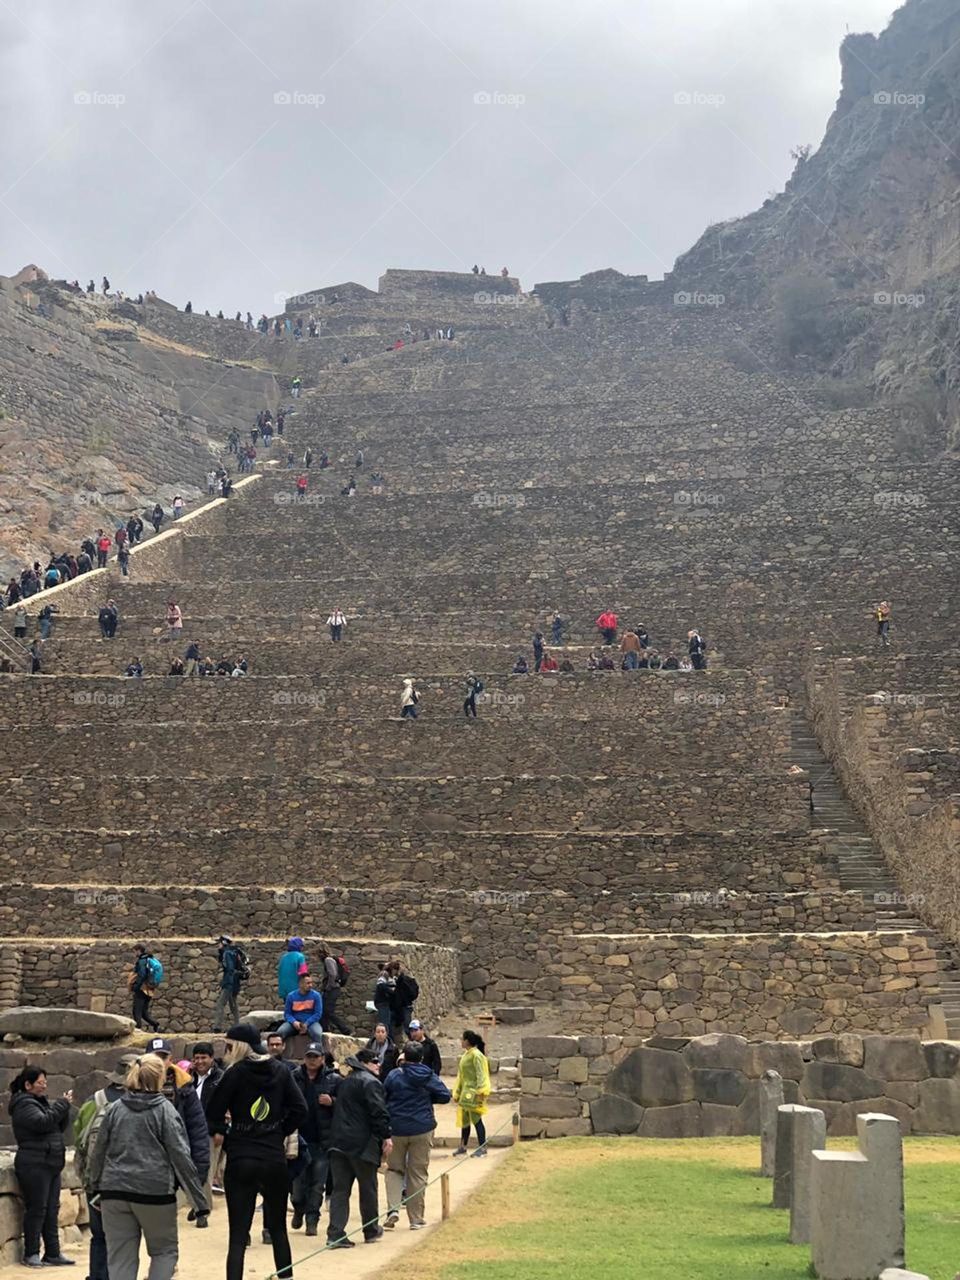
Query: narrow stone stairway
point(862, 866)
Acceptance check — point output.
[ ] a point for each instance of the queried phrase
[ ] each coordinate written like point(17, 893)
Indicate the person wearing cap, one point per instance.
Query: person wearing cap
point(139, 1158)
point(318, 1081)
point(412, 1091)
point(303, 1011)
point(288, 968)
point(431, 1054)
point(360, 1137)
point(265, 1107)
point(178, 1089)
point(229, 963)
point(112, 1092)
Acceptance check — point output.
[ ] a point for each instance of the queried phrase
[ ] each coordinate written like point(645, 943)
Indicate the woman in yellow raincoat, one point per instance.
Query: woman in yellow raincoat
point(471, 1092)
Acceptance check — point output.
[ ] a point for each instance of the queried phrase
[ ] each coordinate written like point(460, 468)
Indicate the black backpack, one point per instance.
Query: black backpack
point(243, 964)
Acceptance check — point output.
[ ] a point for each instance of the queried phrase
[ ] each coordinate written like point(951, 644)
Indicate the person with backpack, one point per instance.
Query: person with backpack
point(234, 971)
point(38, 1126)
point(318, 1080)
point(474, 689)
point(409, 698)
point(86, 1128)
point(412, 1090)
point(146, 977)
point(265, 1108)
point(288, 968)
point(139, 1158)
point(336, 622)
point(336, 974)
point(383, 992)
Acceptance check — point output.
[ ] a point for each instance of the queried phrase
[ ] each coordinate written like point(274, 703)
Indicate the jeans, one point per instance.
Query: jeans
point(314, 1031)
point(609, 635)
point(470, 706)
point(98, 1247)
point(347, 1170)
point(335, 631)
point(244, 1177)
point(408, 712)
point(385, 1015)
point(308, 1187)
point(330, 1018)
point(141, 1011)
point(883, 632)
point(407, 1168)
point(403, 1018)
point(125, 1223)
point(101, 559)
point(630, 660)
point(45, 625)
point(226, 1000)
point(39, 1178)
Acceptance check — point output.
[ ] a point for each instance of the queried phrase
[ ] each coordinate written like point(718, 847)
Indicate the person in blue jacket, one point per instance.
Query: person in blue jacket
point(302, 1011)
point(412, 1090)
point(288, 970)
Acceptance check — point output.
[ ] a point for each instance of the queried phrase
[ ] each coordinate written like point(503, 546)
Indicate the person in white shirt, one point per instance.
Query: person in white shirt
point(336, 622)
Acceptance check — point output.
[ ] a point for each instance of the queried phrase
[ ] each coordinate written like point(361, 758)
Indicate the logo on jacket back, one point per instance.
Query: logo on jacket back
point(259, 1110)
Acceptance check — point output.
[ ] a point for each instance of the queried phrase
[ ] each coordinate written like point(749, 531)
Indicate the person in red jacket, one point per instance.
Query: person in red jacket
point(301, 484)
point(103, 549)
point(607, 624)
point(549, 663)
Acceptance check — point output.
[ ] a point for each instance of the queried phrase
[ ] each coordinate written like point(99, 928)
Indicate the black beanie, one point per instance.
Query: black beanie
point(248, 1034)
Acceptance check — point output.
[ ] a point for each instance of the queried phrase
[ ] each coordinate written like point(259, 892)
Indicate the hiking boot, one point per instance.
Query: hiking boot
point(375, 1237)
point(479, 1153)
point(460, 1151)
point(296, 1222)
point(391, 1221)
point(312, 1229)
point(342, 1243)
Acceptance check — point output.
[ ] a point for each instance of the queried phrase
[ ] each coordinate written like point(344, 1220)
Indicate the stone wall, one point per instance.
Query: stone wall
point(93, 975)
point(73, 1217)
point(759, 985)
point(708, 1086)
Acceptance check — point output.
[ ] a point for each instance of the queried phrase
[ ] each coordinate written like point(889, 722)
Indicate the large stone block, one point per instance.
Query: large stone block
point(48, 1024)
point(725, 1087)
point(719, 1051)
point(612, 1114)
point(839, 1083)
point(682, 1121)
point(943, 1058)
point(574, 1069)
point(549, 1108)
point(717, 1121)
point(549, 1046)
point(939, 1109)
point(894, 1058)
point(514, 1015)
point(653, 1078)
point(783, 1056)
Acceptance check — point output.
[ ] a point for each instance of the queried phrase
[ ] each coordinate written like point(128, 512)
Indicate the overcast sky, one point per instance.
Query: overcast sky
point(228, 151)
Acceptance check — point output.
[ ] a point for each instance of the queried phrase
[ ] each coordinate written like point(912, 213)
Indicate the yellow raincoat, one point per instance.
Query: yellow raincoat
point(472, 1088)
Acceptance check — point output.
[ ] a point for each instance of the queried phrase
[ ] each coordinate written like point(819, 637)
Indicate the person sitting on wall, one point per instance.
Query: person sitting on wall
point(520, 667)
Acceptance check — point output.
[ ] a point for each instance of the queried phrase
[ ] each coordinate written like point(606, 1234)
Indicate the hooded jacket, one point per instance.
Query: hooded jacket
point(287, 971)
point(38, 1126)
point(361, 1122)
point(412, 1090)
point(141, 1153)
point(265, 1106)
point(190, 1110)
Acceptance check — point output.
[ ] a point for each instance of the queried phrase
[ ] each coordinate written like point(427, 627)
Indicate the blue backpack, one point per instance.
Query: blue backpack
point(154, 971)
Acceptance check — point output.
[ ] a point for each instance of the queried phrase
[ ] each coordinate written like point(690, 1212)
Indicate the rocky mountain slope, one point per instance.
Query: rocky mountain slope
point(865, 237)
point(100, 416)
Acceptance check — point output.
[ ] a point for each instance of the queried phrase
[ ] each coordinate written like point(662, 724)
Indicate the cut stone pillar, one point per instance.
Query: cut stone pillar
point(856, 1204)
point(801, 1132)
point(771, 1098)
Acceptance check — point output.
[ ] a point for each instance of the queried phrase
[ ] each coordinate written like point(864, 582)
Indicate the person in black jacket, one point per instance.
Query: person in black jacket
point(38, 1126)
point(359, 1139)
point(205, 1073)
point(265, 1107)
point(431, 1054)
point(318, 1080)
point(405, 995)
point(178, 1089)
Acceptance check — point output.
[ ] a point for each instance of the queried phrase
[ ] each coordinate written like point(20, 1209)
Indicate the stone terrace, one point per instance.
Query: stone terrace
point(629, 849)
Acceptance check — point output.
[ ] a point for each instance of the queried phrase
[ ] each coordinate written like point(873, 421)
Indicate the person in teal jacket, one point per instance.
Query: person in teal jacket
point(289, 967)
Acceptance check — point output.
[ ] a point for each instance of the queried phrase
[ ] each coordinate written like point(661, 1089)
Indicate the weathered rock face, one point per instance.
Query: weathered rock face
point(48, 1024)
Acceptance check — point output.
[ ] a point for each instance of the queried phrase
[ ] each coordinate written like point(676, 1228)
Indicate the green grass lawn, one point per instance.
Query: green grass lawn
point(695, 1210)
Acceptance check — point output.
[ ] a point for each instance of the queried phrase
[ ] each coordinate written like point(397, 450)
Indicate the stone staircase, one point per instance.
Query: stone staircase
point(861, 864)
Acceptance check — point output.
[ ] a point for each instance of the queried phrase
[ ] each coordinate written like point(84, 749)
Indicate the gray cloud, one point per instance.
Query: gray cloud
point(198, 183)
